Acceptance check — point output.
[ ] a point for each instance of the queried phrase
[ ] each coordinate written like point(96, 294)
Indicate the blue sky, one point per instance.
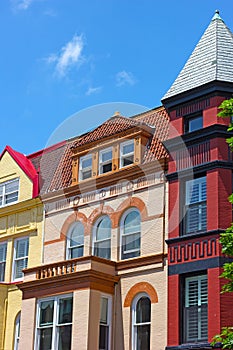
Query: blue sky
point(60, 57)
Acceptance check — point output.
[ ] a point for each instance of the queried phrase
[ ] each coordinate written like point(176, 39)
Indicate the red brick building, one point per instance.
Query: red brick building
point(200, 181)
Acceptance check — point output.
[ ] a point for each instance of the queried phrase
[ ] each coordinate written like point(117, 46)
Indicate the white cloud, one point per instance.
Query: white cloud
point(123, 78)
point(69, 55)
point(94, 90)
point(21, 4)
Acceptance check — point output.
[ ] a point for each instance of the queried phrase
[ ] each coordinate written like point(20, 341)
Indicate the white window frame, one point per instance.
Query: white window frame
point(123, 156)
point(106, 162)
point(198, 278)
point(109, 318)
point(3, 261)
point(68, 246)
point(134, 314)
point(17, 331)
point(4, 194)
point(199, 204)
point(17, 259)
point(81, 169)
point(122, 227)
point(55, 325)
point(95, 228)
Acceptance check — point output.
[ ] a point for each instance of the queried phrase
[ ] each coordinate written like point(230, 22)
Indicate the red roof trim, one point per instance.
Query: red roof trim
point(26, 165)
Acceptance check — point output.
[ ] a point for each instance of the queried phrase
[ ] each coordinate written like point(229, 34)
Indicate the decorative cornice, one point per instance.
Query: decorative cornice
point(194, 236)
point(199, 169)
point(210, 132)
point(20, 206)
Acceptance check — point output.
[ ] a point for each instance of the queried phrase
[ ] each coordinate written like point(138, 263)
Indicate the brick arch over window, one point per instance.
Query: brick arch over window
point(129, 203)
point(102, 210)
point(76, 216)
point(141, 287)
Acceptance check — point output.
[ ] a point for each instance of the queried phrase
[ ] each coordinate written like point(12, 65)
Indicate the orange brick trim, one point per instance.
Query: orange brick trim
point(76, 216)
point(129, 203)
point(141, 287)
point(102, 210)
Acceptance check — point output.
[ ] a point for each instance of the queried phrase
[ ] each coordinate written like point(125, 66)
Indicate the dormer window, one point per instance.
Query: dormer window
point(9, 192)
point(193, 123)
point(126, 153)
point(105, 161)
point(85, 168)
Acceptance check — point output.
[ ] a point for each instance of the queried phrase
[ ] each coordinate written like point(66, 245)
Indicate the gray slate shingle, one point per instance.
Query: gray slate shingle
point(212, 59)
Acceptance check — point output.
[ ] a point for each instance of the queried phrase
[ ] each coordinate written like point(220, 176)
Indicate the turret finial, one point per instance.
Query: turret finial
point(216, 15)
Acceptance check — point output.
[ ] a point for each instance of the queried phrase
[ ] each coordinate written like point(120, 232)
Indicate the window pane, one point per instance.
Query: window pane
point(86, 163)
point(77, 235)
point(46, 313)
point(105, 156)
point(3, 252)
point(103, 337)
point(104, 311)
point(103, 229)
point(143, 310)
point(132, 222)
point(12, 186)
point(86, 174)
point(1, 190)
point(22, 248)
point(65, 310)
point(64, 337)
point(195, 123)
point(45, 339)
point(131, 242)
point(76, 252)
point(2, 271)
point(143, 337)
point(103, 249)
point(19, 266)
point(127, 160)
point(12, 197)
point(128, 148)
point(106, 168)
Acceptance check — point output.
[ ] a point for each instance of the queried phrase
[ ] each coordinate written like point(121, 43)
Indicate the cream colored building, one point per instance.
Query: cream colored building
point(102, 284)
point(21, 227)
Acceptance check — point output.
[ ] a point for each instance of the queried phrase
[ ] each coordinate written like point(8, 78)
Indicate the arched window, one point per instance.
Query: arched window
point(141, 322)
point(130, 234)
point(102, 238)
point(17, 331)
point(75, 240)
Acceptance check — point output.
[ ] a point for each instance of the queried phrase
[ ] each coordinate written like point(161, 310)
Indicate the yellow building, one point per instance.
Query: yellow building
point(21, 229)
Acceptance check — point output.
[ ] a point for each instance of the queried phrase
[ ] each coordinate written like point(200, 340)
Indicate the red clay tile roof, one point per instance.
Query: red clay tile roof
point(157, 118)
point(111, 127)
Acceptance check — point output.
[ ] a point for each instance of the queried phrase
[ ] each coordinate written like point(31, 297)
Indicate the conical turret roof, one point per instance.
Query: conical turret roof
point(211, 60)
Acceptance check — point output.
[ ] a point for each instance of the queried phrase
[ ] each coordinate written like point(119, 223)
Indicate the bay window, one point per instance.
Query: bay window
point(54, 323)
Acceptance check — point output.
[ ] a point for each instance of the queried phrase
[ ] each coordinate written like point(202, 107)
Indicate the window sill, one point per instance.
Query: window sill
point(191, 346)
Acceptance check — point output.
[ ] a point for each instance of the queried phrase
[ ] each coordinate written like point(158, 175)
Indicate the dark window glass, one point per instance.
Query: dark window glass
point(192, 124)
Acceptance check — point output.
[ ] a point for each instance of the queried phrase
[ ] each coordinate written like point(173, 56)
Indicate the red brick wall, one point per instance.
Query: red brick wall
point(173, 310)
